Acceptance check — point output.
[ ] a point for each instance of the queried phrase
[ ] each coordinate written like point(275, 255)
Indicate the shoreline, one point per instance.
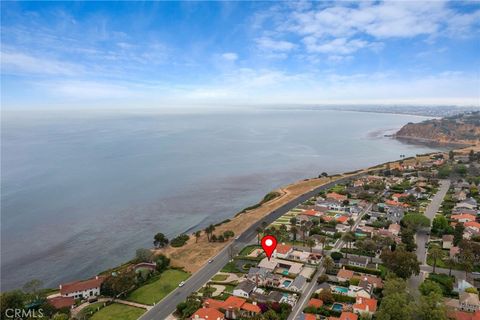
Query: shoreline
point(194, 255)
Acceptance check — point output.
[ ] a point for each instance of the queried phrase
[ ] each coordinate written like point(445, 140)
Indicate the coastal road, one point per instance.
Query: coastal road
point(312, 285)
point(422, 237)
point(168, 304)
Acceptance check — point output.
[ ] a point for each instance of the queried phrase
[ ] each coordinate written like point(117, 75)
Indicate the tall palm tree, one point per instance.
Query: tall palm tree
point(435, 253)
point(450, 264)
point(322, 240)
point(348, 238)
point(304, 229)
point(328, 263)
point(259, 232)
point(310, 244)
point(293, 221)
point(293, 231)
point(197, 235)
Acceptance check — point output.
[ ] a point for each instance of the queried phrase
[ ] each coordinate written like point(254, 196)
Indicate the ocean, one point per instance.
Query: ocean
point(82, 190)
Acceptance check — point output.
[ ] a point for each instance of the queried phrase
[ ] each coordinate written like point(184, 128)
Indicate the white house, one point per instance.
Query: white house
point(244, 289)
point(82, 289)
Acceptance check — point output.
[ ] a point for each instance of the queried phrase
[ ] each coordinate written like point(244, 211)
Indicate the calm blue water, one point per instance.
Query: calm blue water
point(82, 191)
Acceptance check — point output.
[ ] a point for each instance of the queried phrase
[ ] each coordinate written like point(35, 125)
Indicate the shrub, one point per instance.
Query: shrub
point(179, 241)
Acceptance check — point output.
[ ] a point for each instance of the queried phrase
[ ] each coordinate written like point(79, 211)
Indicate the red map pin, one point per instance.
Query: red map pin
point(269, 243)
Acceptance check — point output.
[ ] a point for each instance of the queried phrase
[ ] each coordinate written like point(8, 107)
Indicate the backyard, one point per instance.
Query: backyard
point(118, 312)
point(158, 287)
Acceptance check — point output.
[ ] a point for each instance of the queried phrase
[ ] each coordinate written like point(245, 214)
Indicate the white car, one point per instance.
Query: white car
point(210, 261)
point(181, 284)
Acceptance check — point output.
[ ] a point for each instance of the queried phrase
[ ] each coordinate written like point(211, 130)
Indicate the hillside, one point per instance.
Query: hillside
point(463, 129)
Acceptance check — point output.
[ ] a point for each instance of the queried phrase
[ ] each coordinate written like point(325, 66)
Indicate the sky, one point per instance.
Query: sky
point(174, 54)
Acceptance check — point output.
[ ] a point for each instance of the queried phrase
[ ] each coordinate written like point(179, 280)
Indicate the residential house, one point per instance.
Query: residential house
point(82, 289)
point(244, 289)
point(454, 251)
point(273, 296)
point(357, 291)
point(365, 306)
point(463, 217)
point(283, 266)
point(461, 285)
point(469, 203)
point(234, 307)
point(469, 302)
point(316, 303)
point(298, 283)
point(344, 275)
point(398, 196)
point(357, 261)
point(394, 228)
point(208, 314)
point(282, 251)
point(60, 302)
point(336, 196)
point(447, 241)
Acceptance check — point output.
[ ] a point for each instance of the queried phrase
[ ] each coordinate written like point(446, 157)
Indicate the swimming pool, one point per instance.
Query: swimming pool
point(286, 283)
point(285, 272)
point(337, 307)
point(342, 290)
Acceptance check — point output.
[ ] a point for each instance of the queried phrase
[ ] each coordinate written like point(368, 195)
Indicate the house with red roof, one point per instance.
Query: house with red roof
point(316, 303)
point(464, 217)
point(472, 224)
point(365, 306)
point(282, 251)
point(311, 213)
point(309, 316)
point(60, 302)
point(342, 219)
point(348, 316)
point(398, 196)
point(344, 275)
point(234, 307)
point(462, 315)
point(208, 314)
point(82, 289)
point(396, 203)
point(336, 196)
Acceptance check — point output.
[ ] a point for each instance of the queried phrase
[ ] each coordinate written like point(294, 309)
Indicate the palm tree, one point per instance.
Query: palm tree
point(303, 228)
point(328, 263)
point(450, 264)
point(350, 222)
point(293, 221)
point(435, 253)
point(310, 244)
point(209, 230)
point(348, 237)
point(259, 232)
point(322, 240)
point(197, 235)
point(293, 231)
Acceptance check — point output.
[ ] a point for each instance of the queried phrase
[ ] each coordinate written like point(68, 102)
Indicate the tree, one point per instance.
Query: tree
point(415, 221)
point(228, 234)
point(370, 247)
point(326, 296)
point(450, 263)
point(33, 286)
point(162, 262)
point(328, 263)
point(429, 286)
point(407, 239)
point(304, 229)
point(322, 240)
point(435, 253)
point(351, 222)
point(209, 231)
point(11, 300)
point(310, 243)
point(259, 231)
point(439, 224)
point(119, 284)
point(143, 255)
point(396, 303)
point(197, 235)
point(294, 231)
point(348, 238)
point(403, 263)
point(458, 233)
point(159, 240)
point(451, 155)
point(431, 307)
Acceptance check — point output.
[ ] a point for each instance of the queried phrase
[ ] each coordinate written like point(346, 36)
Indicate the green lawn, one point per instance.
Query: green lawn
point(90, 309)
point(248, 249)
point(117, 311)
point(219, 277)
point(157, 289)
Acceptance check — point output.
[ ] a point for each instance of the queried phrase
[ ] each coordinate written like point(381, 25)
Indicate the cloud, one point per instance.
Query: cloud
point(21, 63)
point(268, 44)
point(88, 90)
point(230, 56)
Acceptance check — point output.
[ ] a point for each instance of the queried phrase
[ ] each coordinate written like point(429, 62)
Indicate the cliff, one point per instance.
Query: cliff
point(463, 129)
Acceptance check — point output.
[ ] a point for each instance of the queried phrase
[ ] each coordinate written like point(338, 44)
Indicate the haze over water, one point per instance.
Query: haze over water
point(82, 191)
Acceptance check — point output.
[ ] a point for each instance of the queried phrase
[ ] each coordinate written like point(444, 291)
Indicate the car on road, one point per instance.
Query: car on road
point(236, 238)
point(210, 261)
point(181, 284)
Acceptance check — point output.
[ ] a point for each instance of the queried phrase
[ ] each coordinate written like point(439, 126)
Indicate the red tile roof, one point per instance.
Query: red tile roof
point(81, 285)
point(234, 302)
point(342, 219)
point(317, 303)
point(310, 212)
point(464, 216)
point(212, 303)
point(363, 303)
point(396, 203)
point(309, 316)
point(345, 274)
point(473, 224)
point(348, 316)
point(283, 248)
point(336, 196)
point(461, 315)
point(61, 302)
point(208, 313)
point(251, 307)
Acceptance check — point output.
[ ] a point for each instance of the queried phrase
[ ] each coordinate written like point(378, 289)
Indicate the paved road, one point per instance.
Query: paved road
point(312, 285)
point(168, 304)
point(422, 236)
